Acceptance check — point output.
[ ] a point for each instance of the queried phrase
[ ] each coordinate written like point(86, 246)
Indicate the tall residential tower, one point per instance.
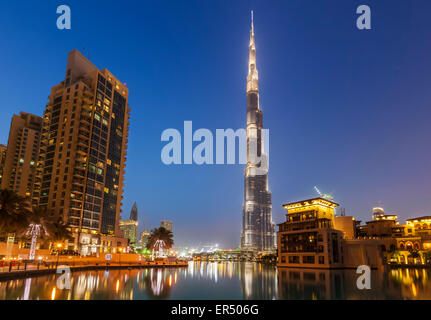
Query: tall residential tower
point(83, 152)
point(20, 161)
point(258, 233)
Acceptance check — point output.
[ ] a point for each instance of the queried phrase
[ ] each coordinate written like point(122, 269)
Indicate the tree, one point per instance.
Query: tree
point(58, 230)
point(44, 224)
point(14, 212)
point(160, 239)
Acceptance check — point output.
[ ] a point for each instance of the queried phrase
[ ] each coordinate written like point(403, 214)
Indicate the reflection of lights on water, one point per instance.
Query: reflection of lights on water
point(170, 280)
point(117, 286)
point(53, 294)
point(414, 291)
point(156, 282)
point(175, 277)
point(27, 289)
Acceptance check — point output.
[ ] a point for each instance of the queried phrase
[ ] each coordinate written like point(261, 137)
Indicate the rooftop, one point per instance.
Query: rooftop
point(311, 202)
point(420, 218)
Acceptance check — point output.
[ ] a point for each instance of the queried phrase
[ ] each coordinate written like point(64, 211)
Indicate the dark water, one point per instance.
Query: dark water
point(224, 280)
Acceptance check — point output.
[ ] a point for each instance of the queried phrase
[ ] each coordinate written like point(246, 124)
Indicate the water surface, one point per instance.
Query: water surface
point(222, 280)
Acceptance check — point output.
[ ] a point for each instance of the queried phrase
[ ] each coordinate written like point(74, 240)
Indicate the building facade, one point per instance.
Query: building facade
point(144, 238)
point(130, 231)
point(21, 159)
point(3, 150)
point(83, 152)
point(258, 229)
point(307, 238)
point(312, 237)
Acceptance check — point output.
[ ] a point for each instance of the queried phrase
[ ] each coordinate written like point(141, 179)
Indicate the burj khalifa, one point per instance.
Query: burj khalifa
point(258, 230)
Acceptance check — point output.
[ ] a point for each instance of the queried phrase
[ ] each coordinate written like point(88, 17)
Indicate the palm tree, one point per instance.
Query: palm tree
point(160, 239)
point(38, 224)
point(43, 223)
point(14, 211)
point(58, 230)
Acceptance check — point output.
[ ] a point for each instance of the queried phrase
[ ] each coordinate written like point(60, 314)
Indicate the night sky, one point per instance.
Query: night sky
point(347, 110)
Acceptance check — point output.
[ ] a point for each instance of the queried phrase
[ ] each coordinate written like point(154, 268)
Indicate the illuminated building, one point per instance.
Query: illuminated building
point(312, 237)
point(258, 230)
point(382, 224)
point(83, 151)
point(168, 225)
point(417, 235)
point(307, 238)
point(145, 236)
point(3, 149)
point(20, 162)
point(130, 231)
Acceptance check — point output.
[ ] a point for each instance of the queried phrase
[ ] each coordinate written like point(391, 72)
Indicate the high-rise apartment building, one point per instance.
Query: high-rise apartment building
point(20, 162)
point(258, 230)
point(83, 151)
point(3, 149)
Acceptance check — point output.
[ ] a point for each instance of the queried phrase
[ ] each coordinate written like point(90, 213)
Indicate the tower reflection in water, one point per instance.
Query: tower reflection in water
point(222, 280)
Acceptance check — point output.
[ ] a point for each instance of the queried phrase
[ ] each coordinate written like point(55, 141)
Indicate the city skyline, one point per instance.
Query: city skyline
point(334, 121)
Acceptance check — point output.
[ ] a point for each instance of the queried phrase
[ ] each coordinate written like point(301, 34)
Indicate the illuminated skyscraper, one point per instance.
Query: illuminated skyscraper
point(20, 162)
point(258, 231)
point(83, 151)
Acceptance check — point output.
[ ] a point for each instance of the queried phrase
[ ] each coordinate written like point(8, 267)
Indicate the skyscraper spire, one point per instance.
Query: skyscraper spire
point(253, 75)
point(252, 22)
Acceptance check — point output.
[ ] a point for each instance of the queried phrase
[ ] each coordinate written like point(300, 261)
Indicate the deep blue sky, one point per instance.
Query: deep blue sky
point(347, 110)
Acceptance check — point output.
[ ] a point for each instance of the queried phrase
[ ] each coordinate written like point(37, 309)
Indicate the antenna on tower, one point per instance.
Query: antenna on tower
point(252, 21)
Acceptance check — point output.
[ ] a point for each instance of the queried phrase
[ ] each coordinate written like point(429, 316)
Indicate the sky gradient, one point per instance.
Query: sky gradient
point(347, 110)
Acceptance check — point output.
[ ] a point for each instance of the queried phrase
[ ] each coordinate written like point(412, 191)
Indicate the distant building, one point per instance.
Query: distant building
point(130, 230)
point(21, 161)
point(145, 236)
point(3, 149)
point(167, 225)
point(134, 212)
point(408, 243)
point(312, 237)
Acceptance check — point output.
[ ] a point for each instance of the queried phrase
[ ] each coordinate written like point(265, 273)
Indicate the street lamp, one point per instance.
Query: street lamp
point(59, 245)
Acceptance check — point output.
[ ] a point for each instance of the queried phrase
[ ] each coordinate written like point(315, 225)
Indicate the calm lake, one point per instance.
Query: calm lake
point(222, 280)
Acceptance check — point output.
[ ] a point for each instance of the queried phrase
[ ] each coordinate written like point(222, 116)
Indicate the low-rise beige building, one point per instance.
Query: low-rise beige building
point(312, 237)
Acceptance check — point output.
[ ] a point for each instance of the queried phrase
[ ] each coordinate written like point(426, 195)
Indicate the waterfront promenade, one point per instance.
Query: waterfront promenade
point(15, 269)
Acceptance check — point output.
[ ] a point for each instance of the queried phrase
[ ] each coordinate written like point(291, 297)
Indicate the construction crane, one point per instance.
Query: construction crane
point(326, 196)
